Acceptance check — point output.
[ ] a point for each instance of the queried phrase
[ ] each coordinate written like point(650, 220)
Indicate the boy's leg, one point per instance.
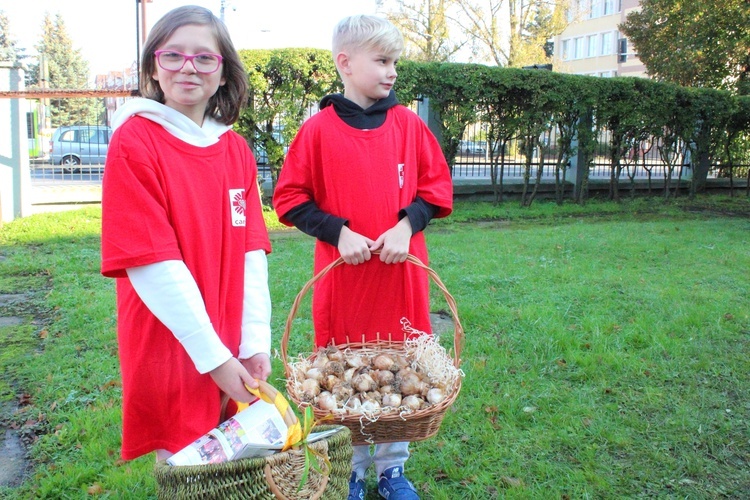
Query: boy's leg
point(389, 463)
point(361, 460)
point(390, 454)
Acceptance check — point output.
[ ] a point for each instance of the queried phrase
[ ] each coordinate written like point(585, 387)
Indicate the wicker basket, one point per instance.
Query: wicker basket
point(388, 427)
point(277, 476)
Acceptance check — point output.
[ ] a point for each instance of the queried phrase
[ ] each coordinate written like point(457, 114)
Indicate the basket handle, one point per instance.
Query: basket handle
point(458, 330)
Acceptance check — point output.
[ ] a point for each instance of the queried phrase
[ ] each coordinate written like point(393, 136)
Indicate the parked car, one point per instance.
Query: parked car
point(472, 147)
point(79, 145)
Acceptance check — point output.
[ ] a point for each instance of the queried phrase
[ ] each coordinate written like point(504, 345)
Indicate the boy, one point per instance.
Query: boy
point(366, 174)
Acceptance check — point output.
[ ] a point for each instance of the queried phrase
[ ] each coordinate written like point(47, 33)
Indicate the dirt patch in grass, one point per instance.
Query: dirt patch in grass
point(17, 310)
point(13, 462)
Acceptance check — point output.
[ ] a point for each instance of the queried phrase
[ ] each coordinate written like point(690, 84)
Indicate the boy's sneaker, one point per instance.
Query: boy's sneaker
point(356, 488)
point(394, 486)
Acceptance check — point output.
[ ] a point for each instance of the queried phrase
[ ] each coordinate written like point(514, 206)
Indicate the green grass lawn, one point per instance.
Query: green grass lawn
point(605, 354)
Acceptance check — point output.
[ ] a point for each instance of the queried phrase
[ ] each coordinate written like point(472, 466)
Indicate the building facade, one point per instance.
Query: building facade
point(127, 79)
point(592, 43)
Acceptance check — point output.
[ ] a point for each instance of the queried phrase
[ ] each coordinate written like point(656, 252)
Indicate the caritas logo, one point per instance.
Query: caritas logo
point(237, 206)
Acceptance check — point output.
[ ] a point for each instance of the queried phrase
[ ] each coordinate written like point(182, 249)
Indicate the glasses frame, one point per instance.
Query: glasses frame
point(188, 58)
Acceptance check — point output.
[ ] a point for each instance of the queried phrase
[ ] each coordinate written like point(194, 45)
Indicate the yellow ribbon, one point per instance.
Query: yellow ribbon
point(297, 433)
point(294, 433)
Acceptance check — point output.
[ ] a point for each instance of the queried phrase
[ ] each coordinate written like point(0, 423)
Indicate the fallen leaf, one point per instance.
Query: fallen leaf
point(112, 383)
point(95, 489)
point(512, 482)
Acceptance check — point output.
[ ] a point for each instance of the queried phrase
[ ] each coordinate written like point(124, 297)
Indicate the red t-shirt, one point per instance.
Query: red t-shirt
point(164, 199)
point(367, 177)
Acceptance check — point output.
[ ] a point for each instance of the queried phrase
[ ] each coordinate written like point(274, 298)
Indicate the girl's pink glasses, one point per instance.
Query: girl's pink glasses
point(171, 60)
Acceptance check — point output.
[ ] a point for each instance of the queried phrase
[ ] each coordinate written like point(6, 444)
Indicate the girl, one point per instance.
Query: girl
point(183, 233)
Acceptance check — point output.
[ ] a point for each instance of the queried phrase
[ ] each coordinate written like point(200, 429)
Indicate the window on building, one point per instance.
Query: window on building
point(594, 10)
point(583, 9)
point(607, 44)
point(591, 46)
point(622, 50)
point(565, 54)
point(608, 7)
point(578, 48)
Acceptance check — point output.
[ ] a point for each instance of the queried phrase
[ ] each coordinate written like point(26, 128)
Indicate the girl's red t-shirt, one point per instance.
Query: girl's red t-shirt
point(164, 199)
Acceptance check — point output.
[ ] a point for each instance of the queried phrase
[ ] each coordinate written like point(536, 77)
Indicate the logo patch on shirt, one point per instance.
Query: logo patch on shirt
point(400, 175)
point(237, 206)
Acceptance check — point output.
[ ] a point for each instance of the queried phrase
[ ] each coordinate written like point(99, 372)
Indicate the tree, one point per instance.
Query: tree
point(693, 44)
point(425, 27)
point(62, 67)
point(9, 51)
point(512, 34)
point(285, 84)
point(451, 90)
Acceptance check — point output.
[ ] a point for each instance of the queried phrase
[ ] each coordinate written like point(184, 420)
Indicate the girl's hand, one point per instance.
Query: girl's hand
point(259, 366)
point(231, 378)
point(394, 243)
point(353, 247)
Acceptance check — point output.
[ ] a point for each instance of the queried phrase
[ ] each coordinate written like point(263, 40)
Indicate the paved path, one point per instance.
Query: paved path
point(56, 198)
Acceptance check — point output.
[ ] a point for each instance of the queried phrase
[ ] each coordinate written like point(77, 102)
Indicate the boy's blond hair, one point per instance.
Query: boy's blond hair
point(363, 32)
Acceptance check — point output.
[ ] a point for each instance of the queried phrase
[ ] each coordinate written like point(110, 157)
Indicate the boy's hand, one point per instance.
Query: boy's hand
point(231, 378)
point(394, 243)
point(258, 366)
point(353, 247)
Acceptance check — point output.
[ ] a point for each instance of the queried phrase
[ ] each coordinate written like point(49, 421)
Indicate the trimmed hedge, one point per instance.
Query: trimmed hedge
point(712, 125)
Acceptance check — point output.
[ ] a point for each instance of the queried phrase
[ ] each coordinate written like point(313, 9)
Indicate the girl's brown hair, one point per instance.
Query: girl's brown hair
point(227, 103)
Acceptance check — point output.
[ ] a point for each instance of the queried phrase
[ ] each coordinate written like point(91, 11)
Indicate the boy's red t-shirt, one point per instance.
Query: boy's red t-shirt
point(366, 177)
point(164, 199)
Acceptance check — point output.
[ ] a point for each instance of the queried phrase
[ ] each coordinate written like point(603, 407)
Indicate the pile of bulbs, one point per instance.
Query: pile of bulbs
point(370, 383)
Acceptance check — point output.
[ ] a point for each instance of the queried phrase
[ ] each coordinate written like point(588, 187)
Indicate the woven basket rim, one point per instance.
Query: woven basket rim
point(169, 477)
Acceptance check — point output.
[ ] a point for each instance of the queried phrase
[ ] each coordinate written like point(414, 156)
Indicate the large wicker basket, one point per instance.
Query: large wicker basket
point(388, 427)
point(277, 476)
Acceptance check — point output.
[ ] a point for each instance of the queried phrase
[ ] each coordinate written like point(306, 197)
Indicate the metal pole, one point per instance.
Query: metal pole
point(143, 20)
point(137, 36)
